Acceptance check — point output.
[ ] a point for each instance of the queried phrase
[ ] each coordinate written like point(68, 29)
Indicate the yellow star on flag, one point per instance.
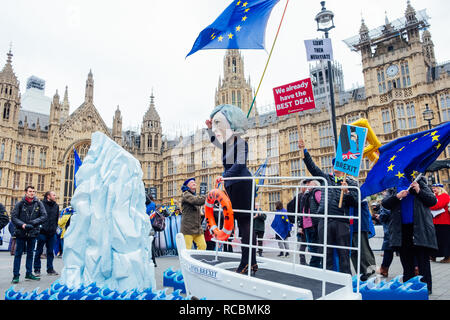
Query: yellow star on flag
point(400, 175)
point(213, 36)
point(230, 36)
point(393, 158)
point(391, 168)
point(220, 38)
point(245, 4)
point(247, 10)
point(244, 18)
point(414, 174)
point(438, 146)
point(436, 138)
point(401, 149)
point(434, 133)
point(238, 3)
point(238, 28)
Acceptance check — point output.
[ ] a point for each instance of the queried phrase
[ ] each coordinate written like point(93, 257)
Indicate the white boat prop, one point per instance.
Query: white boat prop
point(211, 275)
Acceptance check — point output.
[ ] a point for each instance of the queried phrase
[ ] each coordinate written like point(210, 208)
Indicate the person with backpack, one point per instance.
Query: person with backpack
point(308, 202)
point(191, 221)
point(27, 215)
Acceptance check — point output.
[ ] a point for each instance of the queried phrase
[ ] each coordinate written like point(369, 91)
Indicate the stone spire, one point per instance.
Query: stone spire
point(89, 94)
point(410, 14)
point(65, 106)
point(117, 126)
point(7, 73)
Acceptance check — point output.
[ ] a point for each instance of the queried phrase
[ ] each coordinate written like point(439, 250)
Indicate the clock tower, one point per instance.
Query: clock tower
point(398, 67)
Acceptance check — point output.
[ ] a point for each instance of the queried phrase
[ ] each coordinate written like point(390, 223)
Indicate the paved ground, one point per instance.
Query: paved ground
point(440, 272)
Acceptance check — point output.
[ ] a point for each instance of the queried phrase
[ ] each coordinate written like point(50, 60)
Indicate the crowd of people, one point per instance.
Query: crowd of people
point(35, 224)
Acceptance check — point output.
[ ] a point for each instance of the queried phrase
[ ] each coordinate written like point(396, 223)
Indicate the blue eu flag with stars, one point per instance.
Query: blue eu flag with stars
point(78, 164)
point(402, 160)
point(240, 26)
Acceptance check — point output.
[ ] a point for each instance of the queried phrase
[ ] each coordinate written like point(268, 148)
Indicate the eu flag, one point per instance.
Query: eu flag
point(77, 166)
point(260, 173)
point(240, 26)
point(402, 160)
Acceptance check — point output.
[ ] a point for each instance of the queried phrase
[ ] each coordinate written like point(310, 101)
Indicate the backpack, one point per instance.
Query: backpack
point(158, 221)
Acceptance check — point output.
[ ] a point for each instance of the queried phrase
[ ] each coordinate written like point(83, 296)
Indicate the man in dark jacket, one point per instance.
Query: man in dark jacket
point(47, 234)
point(411, 230)
point(27, 215)
point(338, 230)
point(259, 225)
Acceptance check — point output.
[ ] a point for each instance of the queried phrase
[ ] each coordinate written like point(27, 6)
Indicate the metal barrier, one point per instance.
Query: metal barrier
point(325, 216)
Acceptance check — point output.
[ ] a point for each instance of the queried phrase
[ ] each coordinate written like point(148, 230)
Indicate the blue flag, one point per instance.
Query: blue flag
point(260, 173)
point(281, 225)
point(77, 166)
point(402, 160)
point(240, 26)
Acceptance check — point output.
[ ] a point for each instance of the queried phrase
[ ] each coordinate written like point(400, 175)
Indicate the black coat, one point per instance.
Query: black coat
point(334, 194)
point(33, 213)
point(50, 225)
point(4, 219)
point(306, 201)
point(424, 232)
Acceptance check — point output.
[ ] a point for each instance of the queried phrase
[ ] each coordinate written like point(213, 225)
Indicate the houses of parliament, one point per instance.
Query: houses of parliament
point(402, 79)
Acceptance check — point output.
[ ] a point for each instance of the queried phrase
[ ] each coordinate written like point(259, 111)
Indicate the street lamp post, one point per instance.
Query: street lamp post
point(428, 115)
point(325, 22)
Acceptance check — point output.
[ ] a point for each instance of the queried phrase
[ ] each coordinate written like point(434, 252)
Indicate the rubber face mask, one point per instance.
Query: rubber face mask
point(221, 128)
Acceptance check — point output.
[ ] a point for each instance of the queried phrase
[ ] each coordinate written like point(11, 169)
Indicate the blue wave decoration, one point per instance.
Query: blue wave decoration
point(58, 291)
point(413, 289)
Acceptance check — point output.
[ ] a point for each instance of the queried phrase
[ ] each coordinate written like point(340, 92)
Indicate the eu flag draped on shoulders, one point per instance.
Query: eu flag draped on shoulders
point(402, 160)
point(78, 164)
point(242, 25)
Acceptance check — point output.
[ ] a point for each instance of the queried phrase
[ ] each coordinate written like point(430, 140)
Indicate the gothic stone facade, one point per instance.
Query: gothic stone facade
point(401, 78)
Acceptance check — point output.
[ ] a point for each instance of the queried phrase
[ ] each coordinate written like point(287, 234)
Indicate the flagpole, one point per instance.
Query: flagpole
point(268, 60)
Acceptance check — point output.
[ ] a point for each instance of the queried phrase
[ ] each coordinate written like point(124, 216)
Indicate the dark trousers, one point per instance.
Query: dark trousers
point(367, 256)
point(388, 257)
point(312, 236)
point(411, 254)
point(244, 232)
point(20, 245)
point(338, 233)
point(260, 236)
point(240, 194)
point(49, 242)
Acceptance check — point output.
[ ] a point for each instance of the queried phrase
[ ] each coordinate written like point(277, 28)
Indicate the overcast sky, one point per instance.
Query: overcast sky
point(133, 46)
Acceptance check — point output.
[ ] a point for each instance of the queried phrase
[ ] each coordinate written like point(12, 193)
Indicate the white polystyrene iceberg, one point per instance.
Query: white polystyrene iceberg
point(108, 241)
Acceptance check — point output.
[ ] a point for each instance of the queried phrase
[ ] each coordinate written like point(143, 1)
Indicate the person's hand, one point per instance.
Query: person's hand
point(28, 227)
point(300, 231)
point(219, 179)
point(208, 123)
point(402, 194)
point(301, 144)
point(344, 184)
point(415, 185)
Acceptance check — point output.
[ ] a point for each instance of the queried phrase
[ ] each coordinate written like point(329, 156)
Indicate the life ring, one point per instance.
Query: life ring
point(228, 224)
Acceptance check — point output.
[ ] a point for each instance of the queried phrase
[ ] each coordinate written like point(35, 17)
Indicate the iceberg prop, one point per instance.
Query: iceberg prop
point(108, 242)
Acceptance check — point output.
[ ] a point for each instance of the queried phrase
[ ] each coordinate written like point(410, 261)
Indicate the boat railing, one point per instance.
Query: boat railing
point(325, 216)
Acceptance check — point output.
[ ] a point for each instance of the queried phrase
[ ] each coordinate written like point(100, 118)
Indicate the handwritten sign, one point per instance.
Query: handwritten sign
point(319, 49)
point(294, 97)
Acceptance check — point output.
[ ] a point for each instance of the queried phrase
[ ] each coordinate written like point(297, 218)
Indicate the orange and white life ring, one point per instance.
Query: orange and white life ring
point(228, 224)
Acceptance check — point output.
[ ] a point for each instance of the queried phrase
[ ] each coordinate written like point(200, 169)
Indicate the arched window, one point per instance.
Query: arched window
point(69, 174)
point(6, 111)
